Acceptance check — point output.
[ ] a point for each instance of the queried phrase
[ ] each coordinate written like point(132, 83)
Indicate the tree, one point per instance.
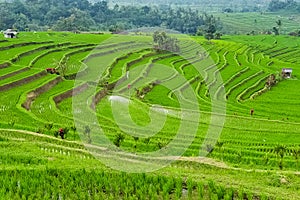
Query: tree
point(78, 20)
point(55, 14)
point(8, 17)
point(117, 28)
point(279, 24)
point(276, 5)
point(228, 10)
point(209, 36)
point(290, 4)
point(218, 36)
point(210, 31)
point(200, 32)
point(163, 42)
point(21, 22)
point(61, 66)
point(276, 30)
point(83, 15)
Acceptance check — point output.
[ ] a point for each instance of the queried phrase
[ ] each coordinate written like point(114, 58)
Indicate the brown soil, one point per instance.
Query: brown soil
point(4, 65)
point(70, 93)
point(23, 81)
point(14, 73)
point(31, 96)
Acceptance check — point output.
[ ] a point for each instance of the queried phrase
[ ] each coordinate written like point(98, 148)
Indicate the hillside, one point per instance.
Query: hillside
point(126, 107)
point(256, 22)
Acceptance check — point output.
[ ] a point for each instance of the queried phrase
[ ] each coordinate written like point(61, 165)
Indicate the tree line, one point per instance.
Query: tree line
point(82, 15)
point(288, 5)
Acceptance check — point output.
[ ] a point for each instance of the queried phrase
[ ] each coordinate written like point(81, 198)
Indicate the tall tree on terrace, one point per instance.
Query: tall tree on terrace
point(276, 30)
point(279, 24)
point(165, 43)
point(210, 31)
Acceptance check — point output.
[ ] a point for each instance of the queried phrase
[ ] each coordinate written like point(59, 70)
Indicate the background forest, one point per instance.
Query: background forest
point(82, 15)
point(117, 16)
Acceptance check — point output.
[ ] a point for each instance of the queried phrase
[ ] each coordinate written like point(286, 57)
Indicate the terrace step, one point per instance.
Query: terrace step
point(23, 81)
point(23, 44)
point(24, 54)
point(31, 96)
point(236, 86)
point(41, 56)
point(252, 89)
point(5, 65)
point(14, 73)
point(74, 91)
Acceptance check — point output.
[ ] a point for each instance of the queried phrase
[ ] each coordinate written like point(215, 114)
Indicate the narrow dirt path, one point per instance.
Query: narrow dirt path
point(201, 160)
point(37, 134)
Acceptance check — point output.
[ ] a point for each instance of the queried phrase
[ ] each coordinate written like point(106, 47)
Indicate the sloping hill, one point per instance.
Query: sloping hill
point(261, 147)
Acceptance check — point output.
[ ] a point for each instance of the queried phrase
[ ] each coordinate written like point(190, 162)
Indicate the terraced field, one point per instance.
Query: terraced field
point(121, 99)
point(245, 23)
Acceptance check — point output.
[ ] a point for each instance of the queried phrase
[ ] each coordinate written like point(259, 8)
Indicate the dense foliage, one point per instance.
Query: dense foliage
point(165, 42)
point(204, 5)
point(81, 15)
point(277, 5)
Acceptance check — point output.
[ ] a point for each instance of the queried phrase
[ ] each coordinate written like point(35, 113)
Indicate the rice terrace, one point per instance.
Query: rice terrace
point(149, 113)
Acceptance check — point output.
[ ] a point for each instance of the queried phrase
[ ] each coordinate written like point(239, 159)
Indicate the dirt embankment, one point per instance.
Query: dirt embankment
point(31, 96)
point(109, 87)
point(14, 73)
point(97, 98)
point(105, 91)
point(18, 57)
point(23, 44)
point(23, 81)
point(4, 65)
point(70, 93)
